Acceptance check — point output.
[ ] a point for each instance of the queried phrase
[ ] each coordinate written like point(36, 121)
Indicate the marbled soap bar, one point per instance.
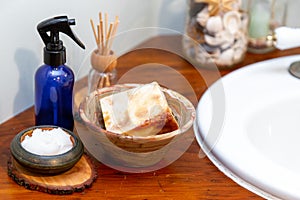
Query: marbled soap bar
point(140, 111)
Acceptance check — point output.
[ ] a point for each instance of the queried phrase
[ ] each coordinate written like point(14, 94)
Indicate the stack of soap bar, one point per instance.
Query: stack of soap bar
point(140, 111)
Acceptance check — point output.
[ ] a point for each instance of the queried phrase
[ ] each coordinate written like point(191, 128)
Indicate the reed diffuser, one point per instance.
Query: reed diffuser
point(103, 58)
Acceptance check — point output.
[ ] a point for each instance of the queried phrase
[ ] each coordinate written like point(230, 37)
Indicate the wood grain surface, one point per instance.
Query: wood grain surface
point(76, 179)
point(190, 177)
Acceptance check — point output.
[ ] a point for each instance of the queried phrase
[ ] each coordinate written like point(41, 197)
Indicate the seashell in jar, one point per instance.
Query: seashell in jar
point(210, 49)
point(245, 22)
point(213, 40)
point(203, 16)
point(241, 41)
point(236, 5)
point(232, 21)
point(238, 54)
point(220, 38)
point(214, 24)
point(229, 39)
point(226, 57)
point(240, 47)
point(226, 45)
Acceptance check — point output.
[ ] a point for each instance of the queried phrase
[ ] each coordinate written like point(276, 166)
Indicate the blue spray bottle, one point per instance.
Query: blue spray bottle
point(54, 80)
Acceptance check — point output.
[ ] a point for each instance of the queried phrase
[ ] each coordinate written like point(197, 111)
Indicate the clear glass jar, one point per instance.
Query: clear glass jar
point(216, 33)
point(265, 16)
point(103, 71)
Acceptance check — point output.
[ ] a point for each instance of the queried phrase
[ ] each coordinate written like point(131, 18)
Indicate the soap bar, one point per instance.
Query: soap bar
point(140, 111)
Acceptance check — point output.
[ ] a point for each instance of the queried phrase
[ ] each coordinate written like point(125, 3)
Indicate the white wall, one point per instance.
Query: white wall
point(21, 46)
point(293, 13)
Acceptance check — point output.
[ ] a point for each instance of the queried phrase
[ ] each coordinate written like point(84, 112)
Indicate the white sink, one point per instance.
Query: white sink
point(248, 124)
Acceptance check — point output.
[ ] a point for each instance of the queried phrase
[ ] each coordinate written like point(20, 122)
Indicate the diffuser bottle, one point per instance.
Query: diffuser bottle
point(54, 80)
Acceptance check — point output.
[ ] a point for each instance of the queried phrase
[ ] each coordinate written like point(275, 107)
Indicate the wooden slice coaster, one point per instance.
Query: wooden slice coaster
point(79, 177)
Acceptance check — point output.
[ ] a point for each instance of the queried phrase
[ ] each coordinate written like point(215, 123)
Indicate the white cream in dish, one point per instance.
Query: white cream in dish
point(140, 111)
point(47, 142)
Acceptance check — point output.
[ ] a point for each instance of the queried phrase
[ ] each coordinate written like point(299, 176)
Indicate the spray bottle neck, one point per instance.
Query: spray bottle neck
point(55, 54)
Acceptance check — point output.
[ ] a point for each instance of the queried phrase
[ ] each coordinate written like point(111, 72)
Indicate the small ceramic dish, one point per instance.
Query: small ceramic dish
point(46, 164)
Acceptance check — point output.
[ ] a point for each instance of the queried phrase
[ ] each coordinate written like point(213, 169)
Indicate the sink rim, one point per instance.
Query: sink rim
point(233, 164)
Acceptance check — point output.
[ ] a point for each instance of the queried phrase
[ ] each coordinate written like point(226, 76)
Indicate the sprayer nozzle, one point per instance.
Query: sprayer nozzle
point(71, 22)
point(54, 52)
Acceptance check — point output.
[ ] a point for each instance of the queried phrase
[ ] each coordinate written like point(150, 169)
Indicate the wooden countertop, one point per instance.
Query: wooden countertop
point(189, 177)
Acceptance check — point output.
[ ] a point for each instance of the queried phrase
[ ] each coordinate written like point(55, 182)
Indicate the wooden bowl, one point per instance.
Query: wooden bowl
point(46, 164)
point(130, 151)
